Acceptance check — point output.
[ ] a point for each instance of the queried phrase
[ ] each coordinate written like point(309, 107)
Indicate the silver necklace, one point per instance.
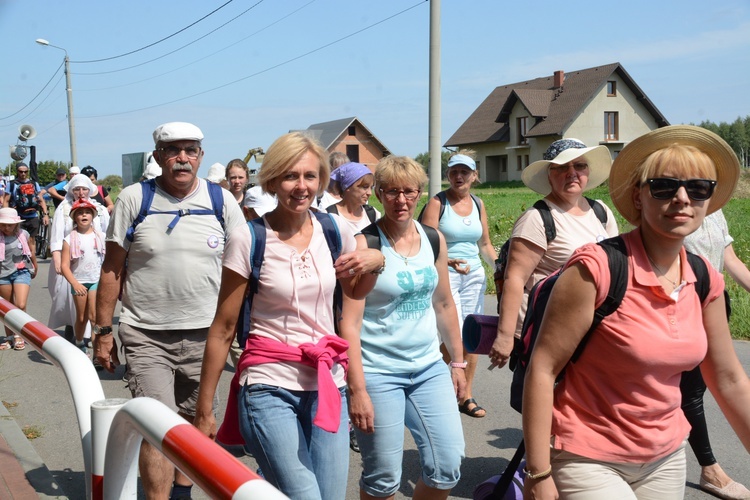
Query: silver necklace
point(393, 245)
point(674, 283)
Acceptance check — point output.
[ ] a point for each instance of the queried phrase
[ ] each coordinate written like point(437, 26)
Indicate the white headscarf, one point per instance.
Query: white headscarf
point(79, 180)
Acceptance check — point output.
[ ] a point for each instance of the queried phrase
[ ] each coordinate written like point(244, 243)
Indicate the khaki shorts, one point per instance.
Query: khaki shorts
point(165, 365)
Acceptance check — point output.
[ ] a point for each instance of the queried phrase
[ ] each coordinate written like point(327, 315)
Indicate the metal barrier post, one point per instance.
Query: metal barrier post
point(102, 414)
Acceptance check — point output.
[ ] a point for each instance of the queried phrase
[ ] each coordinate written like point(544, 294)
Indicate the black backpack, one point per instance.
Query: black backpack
point(617, 256)
point(550, 232)
point(443, 200)
point(369, 210)
point(23, 197)
point(372, 236)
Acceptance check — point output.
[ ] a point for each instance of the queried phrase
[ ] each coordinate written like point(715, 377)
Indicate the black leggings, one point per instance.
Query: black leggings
point(693, 388)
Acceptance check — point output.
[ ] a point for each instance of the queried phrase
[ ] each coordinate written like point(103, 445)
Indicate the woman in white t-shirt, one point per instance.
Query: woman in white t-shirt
point(567, 170)
point(288, 401)
point(354, 182)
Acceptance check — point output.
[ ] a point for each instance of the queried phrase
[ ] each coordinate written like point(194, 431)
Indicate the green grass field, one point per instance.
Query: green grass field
point(506, 201)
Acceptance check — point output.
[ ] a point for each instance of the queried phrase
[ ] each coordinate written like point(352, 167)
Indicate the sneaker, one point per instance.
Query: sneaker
point(97, 365)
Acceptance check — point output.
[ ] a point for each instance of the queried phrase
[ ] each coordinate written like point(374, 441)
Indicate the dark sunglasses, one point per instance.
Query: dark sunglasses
point(665, 188)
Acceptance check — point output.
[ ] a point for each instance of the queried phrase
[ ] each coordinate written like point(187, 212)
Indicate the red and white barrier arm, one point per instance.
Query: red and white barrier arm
point(80, 374)
point(206, 463)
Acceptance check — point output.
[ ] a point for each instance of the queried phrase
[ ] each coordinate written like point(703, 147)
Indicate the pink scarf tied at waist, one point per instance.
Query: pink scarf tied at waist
point(25, 250)
point(260, 350)
point(75, 243)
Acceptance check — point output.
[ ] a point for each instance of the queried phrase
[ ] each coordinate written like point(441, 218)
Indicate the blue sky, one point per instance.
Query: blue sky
point(286, 64)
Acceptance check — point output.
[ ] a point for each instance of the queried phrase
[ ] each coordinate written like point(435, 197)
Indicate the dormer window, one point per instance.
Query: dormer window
point(522, 126)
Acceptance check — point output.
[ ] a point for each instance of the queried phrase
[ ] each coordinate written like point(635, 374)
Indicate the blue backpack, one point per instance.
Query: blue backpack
point(257, 253)
point(148, 188)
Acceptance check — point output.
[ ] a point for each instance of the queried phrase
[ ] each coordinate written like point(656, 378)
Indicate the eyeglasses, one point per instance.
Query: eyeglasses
point(579, 167)
point(665, 188)
point(22, 171)
point(173, 151)
point(393, 194)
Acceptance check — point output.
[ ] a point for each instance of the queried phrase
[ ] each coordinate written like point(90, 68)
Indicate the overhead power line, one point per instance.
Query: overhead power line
point(264, 70)
point(158, 41)
point(175, 50)
point(207, 56)
point(37, 95)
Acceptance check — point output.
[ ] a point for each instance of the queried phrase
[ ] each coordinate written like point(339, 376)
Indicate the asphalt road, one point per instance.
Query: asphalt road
point(39, 396)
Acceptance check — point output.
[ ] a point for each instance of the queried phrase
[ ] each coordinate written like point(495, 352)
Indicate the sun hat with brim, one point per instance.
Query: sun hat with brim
point(622, 179)
point(81, 204)
point(9, 216)
point(459, 159)
point(599, 159)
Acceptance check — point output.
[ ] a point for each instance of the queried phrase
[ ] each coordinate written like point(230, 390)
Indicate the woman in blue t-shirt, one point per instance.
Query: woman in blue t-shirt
point(396, 373)
point(462, 219)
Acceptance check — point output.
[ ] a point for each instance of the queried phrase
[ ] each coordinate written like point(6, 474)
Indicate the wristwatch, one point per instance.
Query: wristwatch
point(380, 270)
point(102, 330)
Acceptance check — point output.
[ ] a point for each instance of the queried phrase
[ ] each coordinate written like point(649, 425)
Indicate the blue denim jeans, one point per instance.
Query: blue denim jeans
point(300, 459)
point(425, 402)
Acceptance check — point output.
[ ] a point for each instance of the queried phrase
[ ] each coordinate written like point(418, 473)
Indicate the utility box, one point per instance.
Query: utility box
point(133, 165)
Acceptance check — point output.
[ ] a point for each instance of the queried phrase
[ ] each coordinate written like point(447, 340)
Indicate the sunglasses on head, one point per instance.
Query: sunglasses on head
point(665, 188)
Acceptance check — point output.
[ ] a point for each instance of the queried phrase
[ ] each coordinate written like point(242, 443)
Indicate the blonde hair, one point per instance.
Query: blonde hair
point(285, 152)
point(680, 160)
point(399, 171)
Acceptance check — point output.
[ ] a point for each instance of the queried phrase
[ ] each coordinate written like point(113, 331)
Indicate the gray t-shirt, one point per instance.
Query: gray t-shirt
point(13, 255)
point(172, 280)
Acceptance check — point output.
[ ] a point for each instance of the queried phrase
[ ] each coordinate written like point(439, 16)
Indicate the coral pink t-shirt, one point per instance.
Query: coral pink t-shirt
point(294, 303)
point(620, 402)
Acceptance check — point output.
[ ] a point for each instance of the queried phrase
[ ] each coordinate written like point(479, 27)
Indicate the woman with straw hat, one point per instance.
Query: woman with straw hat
point(567, 170)
point(613, 427)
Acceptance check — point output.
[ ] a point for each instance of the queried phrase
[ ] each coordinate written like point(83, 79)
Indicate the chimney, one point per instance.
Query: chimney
point(559, 78)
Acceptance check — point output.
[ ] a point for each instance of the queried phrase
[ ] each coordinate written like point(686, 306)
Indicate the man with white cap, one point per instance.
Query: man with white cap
point(173, 248)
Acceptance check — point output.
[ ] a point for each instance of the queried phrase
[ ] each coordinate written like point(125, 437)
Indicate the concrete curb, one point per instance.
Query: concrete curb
point(36, 471)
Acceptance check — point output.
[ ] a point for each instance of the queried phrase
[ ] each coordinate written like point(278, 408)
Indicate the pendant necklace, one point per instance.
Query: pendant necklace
point(393, 246)
point(674, 283)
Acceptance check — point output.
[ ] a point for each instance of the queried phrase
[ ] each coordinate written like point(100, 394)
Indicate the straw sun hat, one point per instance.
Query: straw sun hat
point(560, 152)
point(623, 176)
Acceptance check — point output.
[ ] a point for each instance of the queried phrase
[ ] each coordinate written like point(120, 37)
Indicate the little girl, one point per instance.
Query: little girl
point(15, 273)
point(81, 263)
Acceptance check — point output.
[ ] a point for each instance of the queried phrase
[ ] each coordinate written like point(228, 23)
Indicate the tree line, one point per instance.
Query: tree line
point(737, 135)
point(45, 171)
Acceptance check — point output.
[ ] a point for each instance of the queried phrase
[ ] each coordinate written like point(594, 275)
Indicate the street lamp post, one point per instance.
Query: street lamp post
point(69, 90)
